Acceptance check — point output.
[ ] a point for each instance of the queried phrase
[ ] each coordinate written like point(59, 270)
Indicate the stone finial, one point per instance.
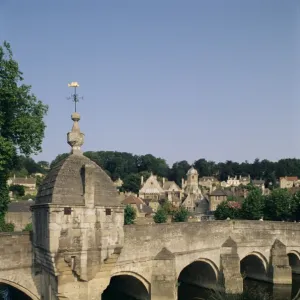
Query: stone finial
point(75, 137)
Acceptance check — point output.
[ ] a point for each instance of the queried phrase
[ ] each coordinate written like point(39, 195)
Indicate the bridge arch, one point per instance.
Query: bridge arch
point(201, 272)
point(142, 279)
point(255, 266)
point(294, 261)
point(20, 288)
point(127, 284)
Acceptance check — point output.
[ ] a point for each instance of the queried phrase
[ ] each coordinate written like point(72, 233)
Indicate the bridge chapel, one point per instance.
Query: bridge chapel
point(77, 226)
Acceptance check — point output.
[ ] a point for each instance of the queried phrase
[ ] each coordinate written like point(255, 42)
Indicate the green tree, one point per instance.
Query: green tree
point(129, 215)
point(6, 227)
point(44, 164)
point(253, 205)
point(178, 171)
point(160, 216)
point(181, 215)
point(58, 158)
point(279, 205)
point(17, 190)
point(131, 183)
point(168, 207)
point(21, 120)
point(227, 210)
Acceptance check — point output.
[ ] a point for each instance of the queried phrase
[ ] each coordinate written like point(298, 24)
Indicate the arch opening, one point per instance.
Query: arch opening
point(254, 266)
point(294, 262)
point(198, 274)
point(127, 287)
point(10, 292)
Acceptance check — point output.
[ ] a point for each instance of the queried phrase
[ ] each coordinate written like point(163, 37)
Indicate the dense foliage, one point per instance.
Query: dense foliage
point(18, 190)
point(160, 216)
point(6, 227)
point(21, 120)
point(181, 215)
point(130, 167)
point(129, 215)
point(280, 205)
point(26, 166)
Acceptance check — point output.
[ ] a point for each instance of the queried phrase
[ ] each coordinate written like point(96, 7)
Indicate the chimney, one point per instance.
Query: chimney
point(182, 183)
point(240, 177)
point(142, 180)
point(163, 181)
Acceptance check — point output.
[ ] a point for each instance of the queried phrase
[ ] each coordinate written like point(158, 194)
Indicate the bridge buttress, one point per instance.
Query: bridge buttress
point(164, 279)
point(280, 270)
point(230, 267)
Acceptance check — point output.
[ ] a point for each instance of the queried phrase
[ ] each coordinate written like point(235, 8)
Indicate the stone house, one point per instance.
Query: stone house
point(142, 209)
point(208, 182)
point(19, 214)
point(236, 181)
point(152, 191)
point(217, 197)
point(172, 192)
point(288, 182)
point(29, 183)
point(202, 207)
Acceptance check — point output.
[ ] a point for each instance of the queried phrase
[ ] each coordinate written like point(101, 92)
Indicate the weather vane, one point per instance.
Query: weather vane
point(74, 97)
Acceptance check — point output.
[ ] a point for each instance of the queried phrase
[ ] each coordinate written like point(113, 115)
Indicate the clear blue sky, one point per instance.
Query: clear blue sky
point(177, 79)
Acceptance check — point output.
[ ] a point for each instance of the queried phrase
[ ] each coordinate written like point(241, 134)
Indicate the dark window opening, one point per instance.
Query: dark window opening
point(67, 210)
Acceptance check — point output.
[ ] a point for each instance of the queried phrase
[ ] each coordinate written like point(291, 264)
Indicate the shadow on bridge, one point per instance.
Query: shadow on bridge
point(125, 287)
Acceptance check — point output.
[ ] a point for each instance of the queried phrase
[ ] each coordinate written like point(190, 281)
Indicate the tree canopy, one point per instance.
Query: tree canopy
point(130, 168)
point(280, 205)
point(21, 119)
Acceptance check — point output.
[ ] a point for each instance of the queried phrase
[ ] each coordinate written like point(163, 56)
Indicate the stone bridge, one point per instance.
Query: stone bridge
point(80, 249)
point(155, 259)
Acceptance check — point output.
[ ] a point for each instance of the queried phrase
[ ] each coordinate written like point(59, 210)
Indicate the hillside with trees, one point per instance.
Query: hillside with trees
point(130, 168)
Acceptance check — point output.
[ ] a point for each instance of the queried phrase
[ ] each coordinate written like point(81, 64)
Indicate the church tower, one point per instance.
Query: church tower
point(192, 184)
point(77, 226)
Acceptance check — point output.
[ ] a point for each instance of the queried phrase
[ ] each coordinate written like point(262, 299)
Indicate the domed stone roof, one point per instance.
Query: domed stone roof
point(64, 184)
point(72, 178)
point(192, 171)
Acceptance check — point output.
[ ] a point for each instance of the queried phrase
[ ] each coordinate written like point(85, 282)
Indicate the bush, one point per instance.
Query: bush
point(227, 209)
point(28, 227)
point(181, 215)
point(129, 215)
point(6, 227)
point(168, 207)
point(160, 216)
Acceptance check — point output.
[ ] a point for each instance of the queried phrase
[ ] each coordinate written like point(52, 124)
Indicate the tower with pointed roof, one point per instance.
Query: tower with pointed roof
point(77, 226)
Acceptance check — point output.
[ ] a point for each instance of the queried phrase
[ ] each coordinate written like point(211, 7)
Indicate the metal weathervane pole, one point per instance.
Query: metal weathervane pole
point(74, 97)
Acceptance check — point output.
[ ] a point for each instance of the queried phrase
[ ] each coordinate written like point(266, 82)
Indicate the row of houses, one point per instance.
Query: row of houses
point(288, 182)
point(199, 196)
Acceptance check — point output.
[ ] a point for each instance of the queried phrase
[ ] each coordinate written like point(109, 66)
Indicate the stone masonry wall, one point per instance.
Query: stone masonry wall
point(16, 263)
point(191, 241)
